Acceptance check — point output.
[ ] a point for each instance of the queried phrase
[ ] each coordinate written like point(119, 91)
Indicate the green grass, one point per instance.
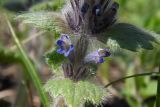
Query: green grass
point(30, 68)
point(158, 92)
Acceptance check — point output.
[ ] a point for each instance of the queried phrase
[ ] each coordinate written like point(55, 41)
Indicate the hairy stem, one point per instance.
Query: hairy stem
point(132, 76)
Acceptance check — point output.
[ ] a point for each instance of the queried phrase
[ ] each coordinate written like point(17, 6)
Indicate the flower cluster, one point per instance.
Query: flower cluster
point(97, 56)
point(65, 45)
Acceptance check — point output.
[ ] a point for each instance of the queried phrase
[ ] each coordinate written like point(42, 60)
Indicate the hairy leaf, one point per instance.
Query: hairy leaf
point(75, 94)
point(49, 21)
point(53, 59)
point(129, 37)
point(48, 5)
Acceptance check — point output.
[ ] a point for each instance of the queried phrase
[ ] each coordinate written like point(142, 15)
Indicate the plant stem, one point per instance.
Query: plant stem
point(158, 91)
point(132, 76)
point(30, 68)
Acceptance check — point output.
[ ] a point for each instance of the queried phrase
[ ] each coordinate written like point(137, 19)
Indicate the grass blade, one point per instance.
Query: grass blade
point(158, 91)
point(30, 68)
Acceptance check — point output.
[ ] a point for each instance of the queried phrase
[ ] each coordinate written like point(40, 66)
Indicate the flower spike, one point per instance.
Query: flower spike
point(95, 16)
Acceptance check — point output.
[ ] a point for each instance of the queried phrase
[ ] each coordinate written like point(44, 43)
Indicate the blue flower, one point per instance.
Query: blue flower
point(65, 45)
point(97, 56)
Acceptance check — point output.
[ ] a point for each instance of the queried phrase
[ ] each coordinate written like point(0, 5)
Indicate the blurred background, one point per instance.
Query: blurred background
point(16, 90)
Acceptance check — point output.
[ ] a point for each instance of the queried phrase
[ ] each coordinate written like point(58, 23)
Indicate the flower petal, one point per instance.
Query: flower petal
point(60, 51)
point(71, 48)
point(60, 42)
point(66, 54)
point(65, 38)
point(101, 60)
point(104, 53)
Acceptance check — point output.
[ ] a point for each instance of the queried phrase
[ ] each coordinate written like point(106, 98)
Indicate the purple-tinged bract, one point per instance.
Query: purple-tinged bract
point(90, 16)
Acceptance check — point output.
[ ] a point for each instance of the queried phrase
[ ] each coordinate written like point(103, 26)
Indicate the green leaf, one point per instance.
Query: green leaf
point(75, 94)
point(49, 21)
point(48, 5)
point(127, 36)
point(53, 59)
